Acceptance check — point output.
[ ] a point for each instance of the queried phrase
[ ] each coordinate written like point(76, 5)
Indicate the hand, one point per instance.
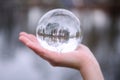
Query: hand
point(81, 59)
point(72, 59)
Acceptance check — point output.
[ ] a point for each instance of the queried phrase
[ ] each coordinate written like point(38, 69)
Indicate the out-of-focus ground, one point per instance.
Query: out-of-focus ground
point(100, 22)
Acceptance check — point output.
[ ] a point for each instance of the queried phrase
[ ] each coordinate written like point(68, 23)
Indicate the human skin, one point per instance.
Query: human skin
point(81, 59)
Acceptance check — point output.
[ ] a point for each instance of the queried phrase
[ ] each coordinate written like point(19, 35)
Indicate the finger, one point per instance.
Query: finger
point(51, 56)
point(32, 45)
point(30, 36)
point(25, 40)
point(23, 33)
point(46, 54)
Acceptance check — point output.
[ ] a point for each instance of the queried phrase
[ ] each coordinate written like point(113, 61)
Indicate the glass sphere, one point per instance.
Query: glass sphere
point(59, 30)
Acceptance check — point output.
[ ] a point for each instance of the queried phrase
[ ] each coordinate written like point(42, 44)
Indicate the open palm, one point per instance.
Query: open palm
point(71, 59)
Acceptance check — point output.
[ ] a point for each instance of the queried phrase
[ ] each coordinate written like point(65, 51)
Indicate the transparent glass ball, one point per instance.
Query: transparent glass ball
point(59, 30)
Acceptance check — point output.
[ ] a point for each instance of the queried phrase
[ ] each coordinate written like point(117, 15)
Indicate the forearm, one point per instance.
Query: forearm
point(91, 70)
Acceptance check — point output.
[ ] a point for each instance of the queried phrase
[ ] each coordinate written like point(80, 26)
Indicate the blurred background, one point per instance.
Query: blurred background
point(100, 22)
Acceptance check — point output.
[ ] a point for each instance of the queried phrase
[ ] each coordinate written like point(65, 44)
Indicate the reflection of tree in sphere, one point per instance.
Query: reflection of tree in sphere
point(59, 30)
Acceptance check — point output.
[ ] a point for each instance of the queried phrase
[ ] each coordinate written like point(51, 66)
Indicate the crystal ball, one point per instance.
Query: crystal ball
point(59, 30)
